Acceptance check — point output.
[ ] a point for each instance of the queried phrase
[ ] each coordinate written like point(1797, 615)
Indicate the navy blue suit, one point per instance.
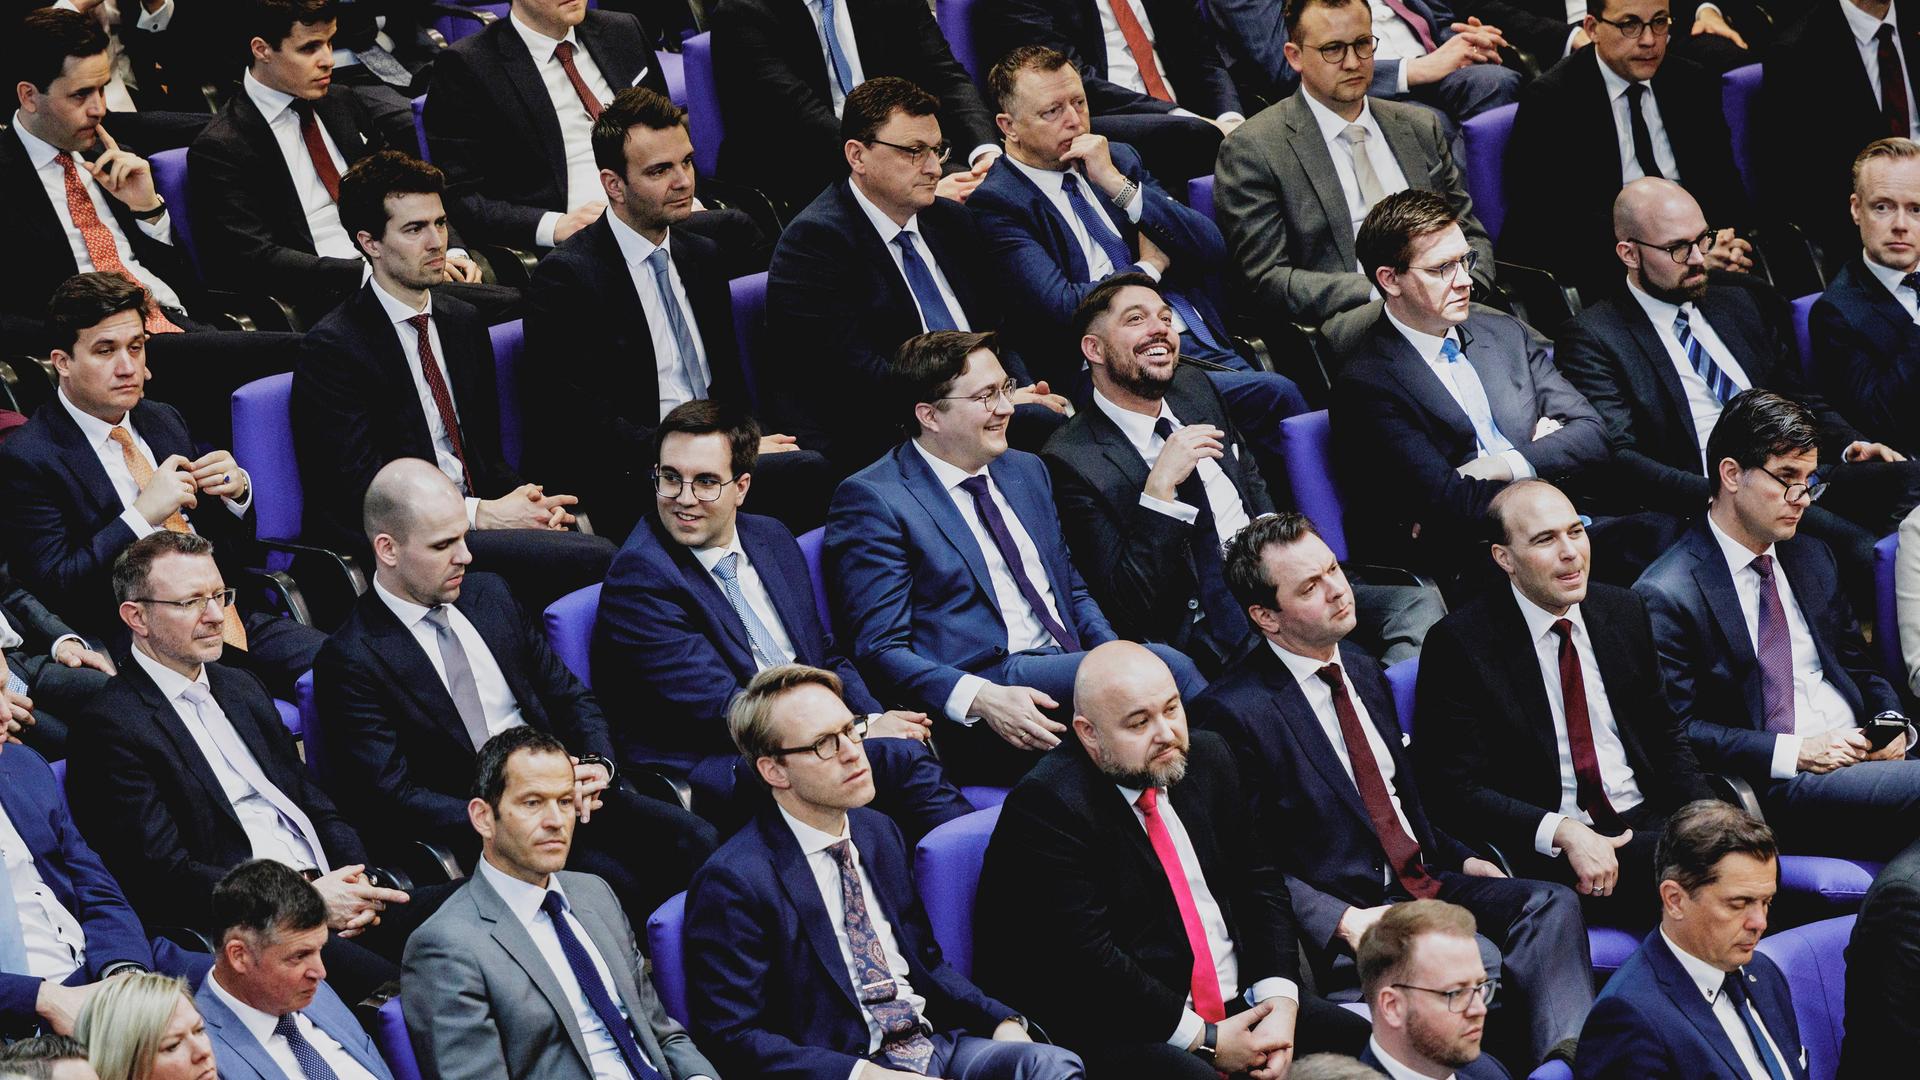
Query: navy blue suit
point(1632, 1032)
point(1867, 355)
point(241, 1056)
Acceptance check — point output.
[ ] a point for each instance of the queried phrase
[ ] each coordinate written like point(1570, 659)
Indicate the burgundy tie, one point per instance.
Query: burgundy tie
point(317, 149)
point(1589, 791)
point(1414, 22)
point(1893, 85)
point(1403, 851)
point(564, 53)
point(442, 398)
point(1775, 652)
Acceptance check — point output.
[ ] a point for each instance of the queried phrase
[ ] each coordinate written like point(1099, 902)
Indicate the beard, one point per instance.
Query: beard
point(1453, 1053)
point(1675, 295)
point(1163, 776)
point(1133, 377)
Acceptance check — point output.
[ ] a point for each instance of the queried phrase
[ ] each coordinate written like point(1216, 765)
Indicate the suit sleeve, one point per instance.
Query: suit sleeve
point(448, 1008)
point(1620, 1041)
point(1879, 390)
point(1135, 556)
point(39, 548)
point(1588, 361)
point(1261, 39)
point(753, 54)
point(1264, 907)
point(39, 627)
point(1677, 639)
point(808, 303)
point(1089, 622)
point(1668, 751)
point(1581, 442)
point(354, 701)
point(1191, 240)
point(1876, 694)
point(1037, 22)
point(650, 629)
point(459, 129)
point(237, 235)
point(1378, 424)
point(565, 315)
point(333, 427)
point(1252, 208)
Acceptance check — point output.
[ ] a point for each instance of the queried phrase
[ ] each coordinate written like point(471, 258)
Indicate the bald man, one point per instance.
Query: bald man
point(1130, 905)
point(432, 662)
point(1660, 362)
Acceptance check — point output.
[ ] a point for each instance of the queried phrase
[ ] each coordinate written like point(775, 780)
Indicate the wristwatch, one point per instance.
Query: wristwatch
point(602, 761)
point(154, 213)
point(1209, 1042)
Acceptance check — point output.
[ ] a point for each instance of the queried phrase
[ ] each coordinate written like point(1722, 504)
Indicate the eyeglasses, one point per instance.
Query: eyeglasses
point(1796, 491)
point(987, 398)
point(827, 746)
point(1452, 268)
point(669, 484)
point(1335, 52)
point(1633, 26)
point(221, 600)
point(1458, 999)
point(917, 153)
point(1682, 250)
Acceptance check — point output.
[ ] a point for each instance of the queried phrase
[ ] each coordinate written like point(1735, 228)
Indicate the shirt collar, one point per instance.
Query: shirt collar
point(812, 840)
point(271, 103)
point(1427, 345)
point(1302, 668)
point(259, 1024)
point(539, 44)
point(710, 557)
point(636, 249)
point(1660, 311)
point(1736, 553)
point(1885, 275)
point(1391, 1065)
point(1539, 620)
point(881, 222)
point(39, 151)
point(1047, 180)
point(408, 612)
point(1137, 427)
point(1614, 83)
point(91, 426)
point(397, 310)
point(1709, 979)
point(523, 898)
point(1331, 124)
point(1865, 26)
point(172, 684)
point(944, 471)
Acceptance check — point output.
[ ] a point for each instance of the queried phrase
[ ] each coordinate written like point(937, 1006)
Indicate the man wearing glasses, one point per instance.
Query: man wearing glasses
point(1422, 977)
point(1763, 662)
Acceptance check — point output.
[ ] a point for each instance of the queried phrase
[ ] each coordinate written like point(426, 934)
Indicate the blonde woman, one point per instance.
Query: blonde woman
point(144, 1027)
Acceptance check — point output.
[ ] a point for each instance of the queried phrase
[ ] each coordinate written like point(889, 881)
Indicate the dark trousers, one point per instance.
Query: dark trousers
point(58, 692)
point(967, 1057)
point(645, 848)
point(541, 565)
point(1174, 149)
point(1634, 903)
point(1866, 811)
point(1393, 620)
point(1322, 1027)
point(1883, 972)
point(910, 786)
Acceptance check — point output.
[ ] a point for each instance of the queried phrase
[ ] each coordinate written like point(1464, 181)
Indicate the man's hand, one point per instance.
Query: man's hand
point(1893, 751)
point(1009, 1030)
point(1833, 750)
point(1241, 1045)
point(1181, 455)
point(958, 185)
point(1013, 712)
point(778, 444)
point(1708, 20)
point(124, 175)
point(588, 782)
point(74, 654)
point(16, 710)
point(1547, 426)
point(1151, 255)
point(1490, 467)
point(578, 218)
point(1093, 155)
point(354, 903)
point(1467, 47)
point(1481, 868)
point(1355, 922)
point(59, 1006)
point(901, 724)
point(1041, 394)
point(169, 489)
point(1871, 451)
point(1729, 252)
point(1591, 857)
point(1277, 1028)
point(525, 507)
point(461, 269)
point(218, 475)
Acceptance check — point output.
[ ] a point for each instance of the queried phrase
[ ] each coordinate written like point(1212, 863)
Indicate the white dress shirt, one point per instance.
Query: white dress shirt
point(576, 127)
point(1122, 68)
point(1024, 629)
point(1864, 27)
point(1711, 981)
point(1306, 671)
point(849, 50)
point(752, 589)
point(113, 459)
point(884, 225)
point(1817, 706)
point(1702, 407)
point(1616, 775)
point(261, 1026)
point(496, 697)
point(525, 900)
point(56, 945)
point(668, 370)
point(1385, 166)
point(1429, 348)
point(276, 828)
point(1623, 128)
point(1892, 279)
point(53, 180)
point(1398, 41)
point(1226, 966)
point(323, 217)
point(1223, 499)
point(1391, 1065)
point(443, 455)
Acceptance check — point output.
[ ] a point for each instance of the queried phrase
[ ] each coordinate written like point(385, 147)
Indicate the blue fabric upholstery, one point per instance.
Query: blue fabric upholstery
point(947, 867)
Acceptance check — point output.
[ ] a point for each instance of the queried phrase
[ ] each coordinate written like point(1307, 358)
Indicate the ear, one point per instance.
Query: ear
point(613, 185)
point(1083, 728)
point(745, 480)
point(856, 154)
point(1292, 53)
point(386, 549)
point(480, 816)
point(259, 49)
point(1090, 351)
point(927, 413)
point(1671, 897)
point(1727, 472)
point(135, 617)
point(1502, 557)
point(1388, 279)
point(1589, 24)
point(1000, 120)
point(62, 359)
point(233, 950)
point(772, 772)
point(1264, 619)
point(1628, 253)
point(368, 245)
point(1853, 207)
point(28, 95)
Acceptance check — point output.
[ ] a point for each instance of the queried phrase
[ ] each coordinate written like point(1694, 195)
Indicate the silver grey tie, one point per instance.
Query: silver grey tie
point(1356, 138)
point(460, 683)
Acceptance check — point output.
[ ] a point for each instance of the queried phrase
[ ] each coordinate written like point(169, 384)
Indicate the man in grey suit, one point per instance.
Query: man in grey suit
point(1293, 184)
point(530, 972)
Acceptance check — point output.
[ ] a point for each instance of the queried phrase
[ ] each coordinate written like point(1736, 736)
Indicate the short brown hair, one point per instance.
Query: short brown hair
point(1096, 303)
point(366, 186)
point(636, 106)
point(1386, 950)
point(1702, 833)
point(131, 569)
point(1386, 236)
point(1296, 9)
point(1895, 149)
point(871, 104)
point(927, 364)
point(1757, 425)
point(1006, 73)
point(1246, 568)
point(704, 416)
point(750, 717)
point(84, 301)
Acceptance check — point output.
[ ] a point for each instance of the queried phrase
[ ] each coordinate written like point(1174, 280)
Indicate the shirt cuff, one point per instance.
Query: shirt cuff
point(983, 148)
point(1176, 509)
point(137, 523)
point(1518, 463)
point(1572, 32)
point(157, 21)
point(461, 253)
point(1400, 81)
point(53, 650)
point(473, 512)
point(1150, 271)
point(1186, 112)
point(543, 232)
point(1543, 835)
point(160, 228)
point(1273, 986)
point(1230, 117)
point(1786, 757)
point(240, 508)
point(962, 697)
point(1704, 8)
point(1187, 1030)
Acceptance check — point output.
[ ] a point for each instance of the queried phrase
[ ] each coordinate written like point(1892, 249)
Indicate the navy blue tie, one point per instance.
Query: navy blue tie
point(591, 985)
point(312, 1065)
point(1737, 993)
point(1717, 380)
point(926, 292)
point(1102, 234)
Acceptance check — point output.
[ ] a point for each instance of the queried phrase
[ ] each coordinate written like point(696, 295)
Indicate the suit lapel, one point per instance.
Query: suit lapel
point(1308, 734)
point(926, 490)
point(186, 750)
point(1653, 352)
point(81, 461)
point(947, 255)
point(1685, 995)
point(1528, 685)
point(1801, 579)
point(523, 74)
point(803, 891)
point(233, 1033)
point(794, 608)
point(1715, 582)
point(1041, 208)
point(384, 342)
point(253, 127)
point(1035, 514)
point(246, 725)
point(39, 212)
point(619, 955)
point(506, 930)
point(1882, 304)
point(338, 118)
point(618, 70)
point(1311, 150)
point(708, 593)
point(1412, 372)
point(395, 648)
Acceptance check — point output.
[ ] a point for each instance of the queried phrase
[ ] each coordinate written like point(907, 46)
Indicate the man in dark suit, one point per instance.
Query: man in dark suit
point(41, 658)
point(101, 466)
point(784, 83)
point(1312, 722)
point(1660, 393)
point(1544, 726)
point(1287, 194)
point(702, 597)
point(398, 371)
point(844, 282)
point(1150, 955)
point(1764, 664)
point(432, 661)
point(1602, 118)
point(1883, 969)
point(1422, 979)
point(948, 571)
point(1443, 404)
point(809, 955)
point(1696, 999)
point(187, 771)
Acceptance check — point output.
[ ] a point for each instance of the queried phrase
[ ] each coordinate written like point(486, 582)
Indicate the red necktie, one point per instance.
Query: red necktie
point(442, 397)
point(1141, 48)
point(1893, 85)
point(102, 251)
point(317, 149)
point(1403, 851)
point(1206, 978)
point(564, 53)
point(1414, 22)
point(1589, 792)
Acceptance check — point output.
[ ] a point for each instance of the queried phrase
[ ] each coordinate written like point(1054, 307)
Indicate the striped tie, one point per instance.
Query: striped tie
point(1718, 381)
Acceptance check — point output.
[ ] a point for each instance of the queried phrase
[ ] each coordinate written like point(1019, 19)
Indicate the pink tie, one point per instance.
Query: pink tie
point(1206, 979)
point(1414, 22)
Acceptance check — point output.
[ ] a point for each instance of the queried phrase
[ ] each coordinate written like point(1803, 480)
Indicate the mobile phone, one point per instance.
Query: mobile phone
point(1883, 729)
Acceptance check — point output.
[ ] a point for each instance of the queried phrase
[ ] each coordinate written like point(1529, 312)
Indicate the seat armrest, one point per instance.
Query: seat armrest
point(1736, 790)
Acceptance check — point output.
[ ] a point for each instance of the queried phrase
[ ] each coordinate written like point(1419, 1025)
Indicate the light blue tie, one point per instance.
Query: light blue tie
point(677, 325)
point(1110, 242)
point(842, 71)
point(13, 939)
point(926, 292)
point(1473, 399)
point(1718, 381)
point(765, 655)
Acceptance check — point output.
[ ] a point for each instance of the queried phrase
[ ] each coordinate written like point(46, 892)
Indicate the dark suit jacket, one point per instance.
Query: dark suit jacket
point(1867, 351)
point(834, 286)
point(1613, 355)
point(1632, 1031)
point(1563, 166)
point(1140, 563)
point(492, 128)
point(782, 134)
point(1486, 753)
point(405, 762)
point(1484, 1067)
point(1317, 825)
point(1399, 435)
point(73, 873)
point(767, 983)
point(141, 788)
point(1074, 913)
point(37, 626)
point(909, 583)
point(63, 515)
point(1712, 676)
point(354, 409)
point(1189, 54)
point(1043, 275)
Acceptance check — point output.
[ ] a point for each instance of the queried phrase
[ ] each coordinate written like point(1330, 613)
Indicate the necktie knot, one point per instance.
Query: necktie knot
point(554, 905)
point(1149, 801)
point(1163, 427)
point(121, 435)
point(302, 108)
point(1354, 135)
point(66, 163)
point(1450, 350)
point(842, 853)
point(1911, 281)
point(728, 568)
point(419, 322)
point(287, 1027)
point(1564, 627)
point(1331, 676)
point(657, 262)
point(1763, 565)
point(1885, 33)
point(1731, 987)
point(563, 52)
point(198, 693)
point(1635, 91)
point(1682, 321)
point(437, 615)
point(975, 486)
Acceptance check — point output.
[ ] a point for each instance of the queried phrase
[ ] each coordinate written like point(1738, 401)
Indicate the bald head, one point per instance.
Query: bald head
point(1129, 717)
point(416, 523)
point(1648, 202)
point(402, 493)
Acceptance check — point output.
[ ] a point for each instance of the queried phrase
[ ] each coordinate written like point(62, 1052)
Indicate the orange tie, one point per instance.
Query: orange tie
point(233, 633)
point(101, 248)
point(1141, 48)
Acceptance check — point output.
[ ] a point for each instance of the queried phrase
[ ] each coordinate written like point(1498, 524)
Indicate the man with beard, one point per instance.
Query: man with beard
point(1154, 479)
point(1429, 992)
point(1134, 906)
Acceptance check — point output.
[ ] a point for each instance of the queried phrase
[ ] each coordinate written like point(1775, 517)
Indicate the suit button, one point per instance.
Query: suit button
point(1193, 604)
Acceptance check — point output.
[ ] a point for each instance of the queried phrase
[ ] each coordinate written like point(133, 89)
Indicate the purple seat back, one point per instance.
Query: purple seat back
point(749, 326)
point(420, 126)
point(811, 544)
point(703, 103)
point(569, 622)
point(290, 717)
point(1400, 679)
point(1803, 335)
point(1738, 89)
point(454, 27)
point(956, 25)
point(59, 774)
point(1485, 138)
point(673, 67)
point(1552, 1070)
point(390, 1035)
point(667, 950)
point(983, 796)
point(313, 738)
point(170, 181)
point(1200, 196)
point(947, 867)
point(1840, 883)
point(1886, 610)
point(509, 341)
point(1306, 440)
point(1610, 947)
point(1814, 960)
point(263, 445)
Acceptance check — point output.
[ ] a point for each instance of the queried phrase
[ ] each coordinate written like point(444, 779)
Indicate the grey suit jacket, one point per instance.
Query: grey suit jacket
point(1279, 202)
point(482, 1004)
